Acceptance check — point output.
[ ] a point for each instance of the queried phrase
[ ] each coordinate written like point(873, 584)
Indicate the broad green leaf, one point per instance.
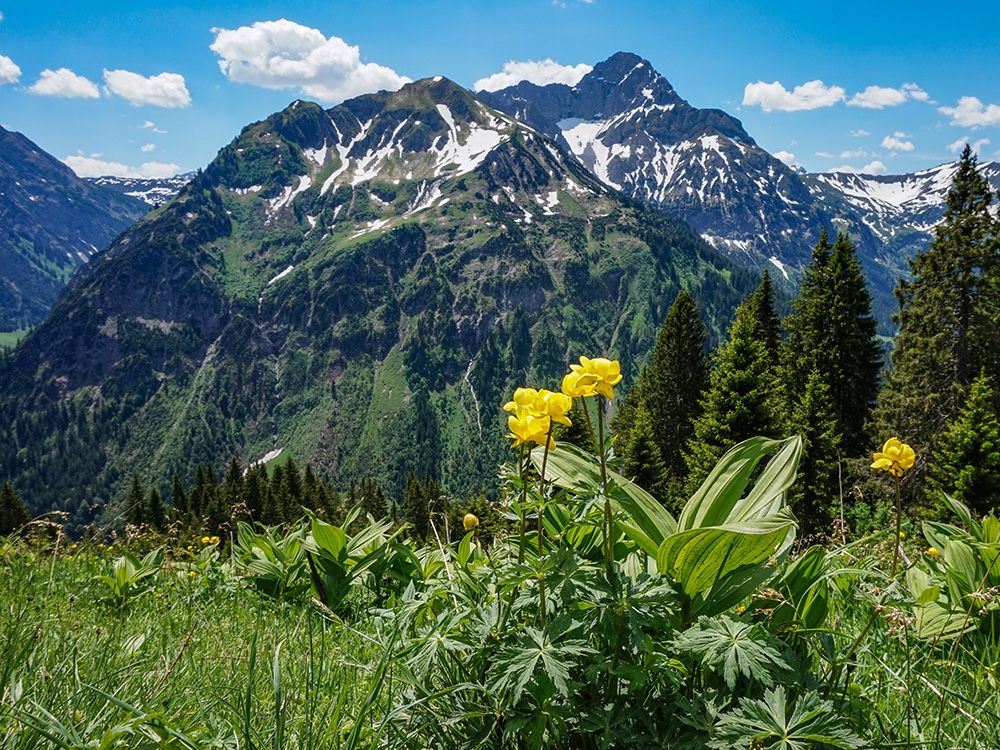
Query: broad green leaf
point(962, 511)
point(638, 513)
point(328, 538)
point(768, 493)
point(697, 558)
point(465, 548)
point(935, 619)
point(963, 567)
point(719, 494)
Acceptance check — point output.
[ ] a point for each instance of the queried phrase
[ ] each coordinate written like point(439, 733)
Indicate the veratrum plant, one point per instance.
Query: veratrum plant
point(130, 577)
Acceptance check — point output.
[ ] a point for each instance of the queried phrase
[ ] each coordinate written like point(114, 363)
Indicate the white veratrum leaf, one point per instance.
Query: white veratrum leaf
point(637, 512)
point(697, 558)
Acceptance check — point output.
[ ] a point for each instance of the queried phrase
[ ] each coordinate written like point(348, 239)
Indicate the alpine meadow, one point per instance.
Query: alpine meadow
point(552, 411)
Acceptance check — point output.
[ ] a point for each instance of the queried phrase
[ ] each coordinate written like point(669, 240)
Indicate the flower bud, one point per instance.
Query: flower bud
point(470, 522)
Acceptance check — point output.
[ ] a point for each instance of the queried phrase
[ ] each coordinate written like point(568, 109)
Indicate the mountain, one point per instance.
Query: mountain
point(900, 210)
point(51, 222)
point(360, 287)
point(152, 190)
point(627, 125)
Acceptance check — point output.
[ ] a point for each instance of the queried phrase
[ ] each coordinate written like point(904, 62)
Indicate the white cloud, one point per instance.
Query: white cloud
point(972, 113)
point(64, 82)
point(540, 72)
point(977, 146)
point(824, 154)
point(788, 157)
point(148, 125)
point(875, 167)
point(775, 97)
point(859, 133)
point(9, 71)
point(282, 54)
point(896, 142)
point(855, 154)
point(877, 97)
point(164, 90)
point(148, 147)
point(915, 92)
point(90, 166)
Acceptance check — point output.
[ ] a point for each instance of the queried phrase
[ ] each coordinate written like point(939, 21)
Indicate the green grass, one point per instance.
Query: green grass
point(10, 338)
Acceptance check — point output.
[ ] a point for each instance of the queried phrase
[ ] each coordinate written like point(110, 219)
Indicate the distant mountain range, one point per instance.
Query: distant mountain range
point(361, 287)
point(152, 190)
point(628, 126)
point(51, 222)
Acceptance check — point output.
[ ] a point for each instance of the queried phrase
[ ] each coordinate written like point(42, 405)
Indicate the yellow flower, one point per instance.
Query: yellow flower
point(554, 405)
point(522, 397)
point(192, 574)
point(213, 540)
point(579, 384)
point(902, 535)
point(206, 540)
point(608, 373)
point(896, 457)
point(470, 522)
point(933, 552)
point(526, 427)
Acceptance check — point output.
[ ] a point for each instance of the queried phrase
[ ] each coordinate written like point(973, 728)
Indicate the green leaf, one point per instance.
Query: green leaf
point(697, 558)
point(962, 511)
point(735, 648)
point(330, 539)
point(638, 513)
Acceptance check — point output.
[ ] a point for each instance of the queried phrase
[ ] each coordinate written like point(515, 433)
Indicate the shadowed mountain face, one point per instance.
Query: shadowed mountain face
point(362, 287)
point(51, 222)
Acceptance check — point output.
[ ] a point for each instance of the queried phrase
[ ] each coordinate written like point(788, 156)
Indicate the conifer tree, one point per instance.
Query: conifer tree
point(232, 490)
point(966, 464)
point(155, 512)
point(578, 433)
point(13, 513)
point(815, 495)
point(178, 497)
point(644, 464)
point(947, 323)
point(257, 494)
point(135, 502)
point(831, 329)
point(766, 323)
point(416, 510)
point(738, 404)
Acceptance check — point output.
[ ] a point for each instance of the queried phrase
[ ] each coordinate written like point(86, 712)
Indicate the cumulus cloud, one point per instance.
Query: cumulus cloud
point(146, 148)
point(977, 146)
point(877, 97)
point(283, 54)
point(540, 72)
point(875, 167)
point(788, 157)
point(972, 113)
point(855, 154)
point(164, 90)
point(859, 133)
point(824, 154)
point(896, 142)
point(9, 71)
point(92, 166)
point(64, 82)
point(880, 97)
point(775, 97)
point(148, 125)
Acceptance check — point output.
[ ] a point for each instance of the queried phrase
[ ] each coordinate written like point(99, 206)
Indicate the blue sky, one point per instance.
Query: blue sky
point(116, 87)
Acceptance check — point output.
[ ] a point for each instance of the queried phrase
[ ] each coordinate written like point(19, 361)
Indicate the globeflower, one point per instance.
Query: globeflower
point(555, 406)
point(579, 384)
point(932, 551)
point(522, 397)
point(896, 457)
point(607, 373)
point(527, 427)
point(470, 522)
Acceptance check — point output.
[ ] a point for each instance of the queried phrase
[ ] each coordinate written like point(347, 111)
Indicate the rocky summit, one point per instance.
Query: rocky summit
point(335, 280)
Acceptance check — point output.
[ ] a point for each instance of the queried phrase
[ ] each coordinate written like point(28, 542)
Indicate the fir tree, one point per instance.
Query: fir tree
point(135, 502)
point(13, 513)
point(644, 464)
point(947, 323)
point(766, 324)
point(155, 512)
point(232, 491)
point(966, 464)
point(256, 493)
point(831, 329)
point(178, 498)
point(578, 433)
point(416, 509)
point(815, 495)
point(738, 404)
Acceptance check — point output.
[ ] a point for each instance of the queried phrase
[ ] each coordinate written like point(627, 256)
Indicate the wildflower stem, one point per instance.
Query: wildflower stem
point(609, 519)
point(899, 522)
point(522, 464)
point(541, 510)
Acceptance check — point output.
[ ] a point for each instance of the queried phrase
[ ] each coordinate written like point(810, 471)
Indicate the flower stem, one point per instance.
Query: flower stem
point(609, 518)
point(522, 462)
point(895, 541)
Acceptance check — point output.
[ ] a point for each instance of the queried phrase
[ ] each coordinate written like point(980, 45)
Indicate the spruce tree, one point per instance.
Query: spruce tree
point(578, 433)
point(947, 324)
point(232, 491)
point(13, 513)
point(739, 403)
point(766, 323)
point(416, 509)
point(966, 464)
point(178, 497)
point(135, 502)
point(155, 512)
point(814, 497)
point(644, 464)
